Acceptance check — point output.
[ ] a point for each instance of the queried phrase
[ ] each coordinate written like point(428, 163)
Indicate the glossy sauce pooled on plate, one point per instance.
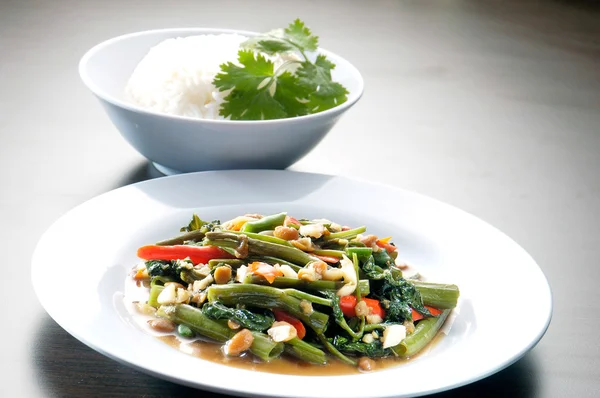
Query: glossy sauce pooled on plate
point(213, 352)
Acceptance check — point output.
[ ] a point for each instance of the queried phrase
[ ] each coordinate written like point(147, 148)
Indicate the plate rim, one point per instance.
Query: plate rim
point(240, 392)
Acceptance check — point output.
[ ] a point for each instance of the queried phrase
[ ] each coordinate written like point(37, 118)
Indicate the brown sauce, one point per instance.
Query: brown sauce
point(285, 365)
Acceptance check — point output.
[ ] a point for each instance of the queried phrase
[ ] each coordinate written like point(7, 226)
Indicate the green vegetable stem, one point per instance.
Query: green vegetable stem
point(265, 223)
point(196, 235)
point(155, 290)
point(425, 331)
point(258, 247)
point(305, 351)
point(232, 262)
point(245, 318)
point(438, 295)
point(273, 261)
point(195, 320)
point(262, 346)
point(300, 284)
point(264, 238)
point(266, 297)
point(349, 234)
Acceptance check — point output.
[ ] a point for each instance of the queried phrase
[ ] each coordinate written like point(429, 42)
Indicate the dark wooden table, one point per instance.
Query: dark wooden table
point(492, 106)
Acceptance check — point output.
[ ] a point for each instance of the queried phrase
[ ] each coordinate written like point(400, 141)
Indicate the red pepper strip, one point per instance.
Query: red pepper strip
point(417, 316)
point(197, 254)
point(387, 246)
point(348, 303)
point(283, 316)
point(328, 259)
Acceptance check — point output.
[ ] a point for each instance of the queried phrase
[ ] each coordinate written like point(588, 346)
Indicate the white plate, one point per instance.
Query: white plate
point(80, 263)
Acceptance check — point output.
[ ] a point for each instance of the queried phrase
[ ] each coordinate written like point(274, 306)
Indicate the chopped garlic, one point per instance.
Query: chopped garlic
point(393, 335)
point(333, 274)
point(347, 267)
point(233, 324)
point(361, 309)
point(368, 338)
point(320, 221)
point(313, 271)
point(307, 274)
point(168, 295)
point(204, 270)
point(288, 271)
point(241, 274)
point(313, 230)
point(306, 307)
point(183, 296)
point(335, 227)
point(198, 298)
point(304, 244)
point(281, 332)
point(205, 282)
point(373, 319)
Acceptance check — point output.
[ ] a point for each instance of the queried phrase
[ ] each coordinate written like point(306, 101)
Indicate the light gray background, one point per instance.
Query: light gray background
point(490, 106)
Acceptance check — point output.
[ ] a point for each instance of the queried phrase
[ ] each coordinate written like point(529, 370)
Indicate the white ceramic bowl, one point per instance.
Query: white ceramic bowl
point(183, 144)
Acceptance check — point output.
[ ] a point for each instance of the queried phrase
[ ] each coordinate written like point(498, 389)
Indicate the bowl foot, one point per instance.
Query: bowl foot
point(166, 170)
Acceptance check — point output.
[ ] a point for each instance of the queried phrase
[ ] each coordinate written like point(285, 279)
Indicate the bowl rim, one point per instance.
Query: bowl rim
point(98, 91)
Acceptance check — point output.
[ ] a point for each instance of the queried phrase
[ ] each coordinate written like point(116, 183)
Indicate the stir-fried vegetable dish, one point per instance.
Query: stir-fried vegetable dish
point(276, 286)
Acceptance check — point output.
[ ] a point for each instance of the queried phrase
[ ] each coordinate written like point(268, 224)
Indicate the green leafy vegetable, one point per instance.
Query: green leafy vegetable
point(338, 316)
point(301, 36)
point(373, 271)
point(247, 319)
point(289, 92)
point(401, 296)
point(383, 259)
point(174, 270)
point(372, 350)
point(316, 80)
point(196, 224)
point(166, 268)
point(296, 88)
point(270, 46)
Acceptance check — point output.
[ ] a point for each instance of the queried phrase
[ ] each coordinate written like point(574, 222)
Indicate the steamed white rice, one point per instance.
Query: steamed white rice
point(175, 77)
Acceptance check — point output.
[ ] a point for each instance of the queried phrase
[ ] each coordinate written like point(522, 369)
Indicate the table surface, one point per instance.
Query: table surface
point(490, 106)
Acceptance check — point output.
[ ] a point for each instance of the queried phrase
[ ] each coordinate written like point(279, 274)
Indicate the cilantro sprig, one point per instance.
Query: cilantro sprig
point(260, 91)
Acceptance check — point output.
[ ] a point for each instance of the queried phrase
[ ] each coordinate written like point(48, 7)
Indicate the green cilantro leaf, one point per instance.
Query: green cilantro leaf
point(252, 105)
point(258, 91)
point(273, 46)
point(291, 95)
point(250, 98)
point(301, 36)
point(323, 63)
point(316, 79)
point(254, 70)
